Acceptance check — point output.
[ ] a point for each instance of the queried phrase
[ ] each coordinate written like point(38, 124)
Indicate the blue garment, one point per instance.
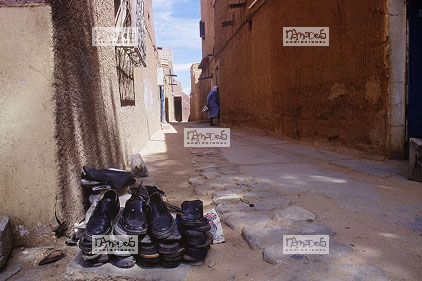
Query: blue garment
point(213, 107)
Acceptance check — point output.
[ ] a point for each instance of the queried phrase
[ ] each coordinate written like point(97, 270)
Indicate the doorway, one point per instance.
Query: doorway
point(178, 109)
point(414, 99)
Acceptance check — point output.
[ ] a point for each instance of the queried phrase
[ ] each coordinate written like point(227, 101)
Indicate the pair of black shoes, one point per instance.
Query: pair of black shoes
point(145, 210)
point(196, 232)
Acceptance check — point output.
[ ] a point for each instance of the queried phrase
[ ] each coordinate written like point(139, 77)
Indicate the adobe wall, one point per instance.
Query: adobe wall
point(28, 157)
point(337, 94)
point(61, 109)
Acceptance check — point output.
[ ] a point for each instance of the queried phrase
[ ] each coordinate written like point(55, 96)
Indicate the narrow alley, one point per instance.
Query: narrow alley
point(249, 140)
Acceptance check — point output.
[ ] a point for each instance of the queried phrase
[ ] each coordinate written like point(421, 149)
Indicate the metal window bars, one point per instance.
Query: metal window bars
point(131, 14)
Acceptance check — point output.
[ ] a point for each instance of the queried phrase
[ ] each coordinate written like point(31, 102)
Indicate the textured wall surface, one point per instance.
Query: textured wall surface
point(28, 156)
point(93, 126)
point(337, 94)
point(207, 16)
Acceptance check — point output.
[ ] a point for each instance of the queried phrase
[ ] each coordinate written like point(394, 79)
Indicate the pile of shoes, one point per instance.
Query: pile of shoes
point(195, 230)
point(145, 215)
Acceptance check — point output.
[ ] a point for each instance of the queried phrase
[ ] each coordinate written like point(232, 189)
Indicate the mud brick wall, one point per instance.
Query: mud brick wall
point(336, 94)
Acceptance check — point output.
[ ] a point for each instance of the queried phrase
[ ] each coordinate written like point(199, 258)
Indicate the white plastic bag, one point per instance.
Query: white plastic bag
point(138, 167)
point(216, 227)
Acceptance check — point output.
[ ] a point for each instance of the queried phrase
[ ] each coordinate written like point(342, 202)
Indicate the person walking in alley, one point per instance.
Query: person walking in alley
point(213, 105)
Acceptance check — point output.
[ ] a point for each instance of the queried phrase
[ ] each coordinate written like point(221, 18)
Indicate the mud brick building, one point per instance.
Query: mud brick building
point(174, 102)
point(351, 93)
point(65, 104)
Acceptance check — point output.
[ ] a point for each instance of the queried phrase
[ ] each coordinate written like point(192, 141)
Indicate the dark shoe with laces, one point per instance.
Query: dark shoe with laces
point(101, 220)
point(133, 219)
point(161, 221)
point(193, 213)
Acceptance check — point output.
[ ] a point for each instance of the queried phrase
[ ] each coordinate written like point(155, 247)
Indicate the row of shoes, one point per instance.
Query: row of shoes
point(160, 239)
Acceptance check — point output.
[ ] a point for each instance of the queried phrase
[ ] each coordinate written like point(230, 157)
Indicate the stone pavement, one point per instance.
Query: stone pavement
point(273, 174)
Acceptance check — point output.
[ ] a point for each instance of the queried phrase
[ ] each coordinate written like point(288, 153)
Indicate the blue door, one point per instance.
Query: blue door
point(414, 106)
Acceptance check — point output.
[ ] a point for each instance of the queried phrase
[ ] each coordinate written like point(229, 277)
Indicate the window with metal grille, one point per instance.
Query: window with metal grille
point(202, 29)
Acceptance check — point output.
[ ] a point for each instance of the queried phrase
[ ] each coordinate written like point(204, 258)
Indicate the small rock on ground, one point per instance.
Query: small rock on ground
point(259, 237)
point(294, 214)
point(239, 220)
point(267, 204)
